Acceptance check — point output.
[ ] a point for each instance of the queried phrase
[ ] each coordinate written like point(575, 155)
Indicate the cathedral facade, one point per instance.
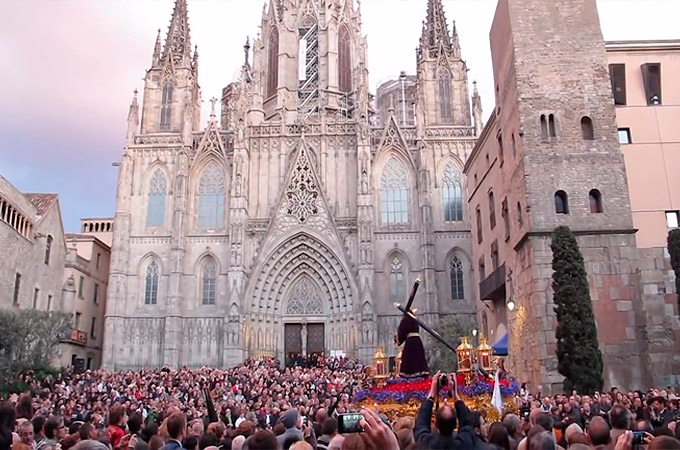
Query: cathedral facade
point(295, 219)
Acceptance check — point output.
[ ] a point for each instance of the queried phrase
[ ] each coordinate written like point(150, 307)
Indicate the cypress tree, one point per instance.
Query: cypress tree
point(578, 354)
point(674, 250)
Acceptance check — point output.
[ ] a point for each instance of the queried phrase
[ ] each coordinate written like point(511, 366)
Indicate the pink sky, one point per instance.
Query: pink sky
point(70, 66)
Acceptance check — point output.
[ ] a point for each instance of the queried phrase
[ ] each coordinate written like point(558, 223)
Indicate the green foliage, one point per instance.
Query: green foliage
point(578, 354)
point(452, 328)
point(674, 250)
point(29, 341)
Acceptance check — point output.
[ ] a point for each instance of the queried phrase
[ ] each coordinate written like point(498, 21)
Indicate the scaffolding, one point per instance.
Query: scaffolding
point(308, 72)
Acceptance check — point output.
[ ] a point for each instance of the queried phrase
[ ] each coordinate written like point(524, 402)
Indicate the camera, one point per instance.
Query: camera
point(638, 437)
point(443, 380)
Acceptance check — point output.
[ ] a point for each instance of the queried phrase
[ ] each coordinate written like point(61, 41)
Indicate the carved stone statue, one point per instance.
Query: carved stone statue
point(364, 182)
point(303, 336)
point(237, 183)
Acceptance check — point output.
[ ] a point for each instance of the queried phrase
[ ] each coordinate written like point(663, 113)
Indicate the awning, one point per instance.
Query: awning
point(500, 347)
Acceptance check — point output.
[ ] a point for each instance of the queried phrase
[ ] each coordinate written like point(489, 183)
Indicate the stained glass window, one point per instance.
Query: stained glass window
point(453, 194)
point(397, 280)
point(151, 284)
point(155, 209)
point(394, 193)
point(456, 275)
point(211, 195)
point(209, 277)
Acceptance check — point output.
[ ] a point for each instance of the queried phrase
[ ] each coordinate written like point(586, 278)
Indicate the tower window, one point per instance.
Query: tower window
point(445, 110)
point(155, 208)
point(624, 136)
point(495, 260)
point(520, 217)
point(397, 279)
point(617, 73)
point(482, 269)
point(17, 288)
point(552, 129)
point(587, 128)
point(505, 213)
point(492, 211)
point(48, 249)
point(394, 193)
point(453, 194)
point(499, 138)
point(478, 215)
point(344, 61)
point(166, 107)
point(151, 284)
point(456, 276)
point(672, 219)
point(544, 128)
point(209, 282)
point(595, 200)
point(211, 195)
point(651, 77)
point(561, 203)
point(272, 63)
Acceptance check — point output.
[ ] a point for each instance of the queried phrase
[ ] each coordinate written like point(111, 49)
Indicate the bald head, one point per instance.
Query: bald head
point(321, 415)
point(598, 432)
point(237, 443)
point(571, 430)
point(534, 414)
point(513, 423)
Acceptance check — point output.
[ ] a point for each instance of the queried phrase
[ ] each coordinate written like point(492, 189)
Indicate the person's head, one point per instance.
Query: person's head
point(217, 429)
point(289, 442)
point(445, 420)
point(498, 435)
point(177, 426)
point(190, 443)
point(301, 445)
point(543, 441)
point(405, 439)
point(53, 428)
point(237, 442)
point(580, 446)
point(38, 425)
point(117, 415)
point(134, 423)
point(196, 428)
point(321, 415)
point(336, 442)
point(546, 421)
point(479, 424)
point(578, 438)
point(207, 440)
point(513, 424)
point(657, 404)
point(329, 427)
point(87, 431)
point(279, 429)
point(24, 407)
point(26, 433)
point(644, 425)
point(156, 442)
point(572, 429)
point(291, 418)
point(598, 432)
point(262, 440)
point(664, 443)
point(620, 417)
point(7, 417)
point(534, 414)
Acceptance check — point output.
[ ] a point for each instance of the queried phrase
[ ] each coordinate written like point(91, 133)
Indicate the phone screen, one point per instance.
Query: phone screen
point(638, 437)
point(349, 423)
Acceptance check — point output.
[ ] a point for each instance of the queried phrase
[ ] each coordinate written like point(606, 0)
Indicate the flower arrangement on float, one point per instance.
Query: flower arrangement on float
point(398, 397)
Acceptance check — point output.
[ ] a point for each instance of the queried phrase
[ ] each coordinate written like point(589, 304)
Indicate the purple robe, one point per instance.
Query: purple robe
point(413, 362)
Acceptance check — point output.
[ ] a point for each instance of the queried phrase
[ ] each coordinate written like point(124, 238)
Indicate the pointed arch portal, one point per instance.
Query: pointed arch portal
point(303, 293)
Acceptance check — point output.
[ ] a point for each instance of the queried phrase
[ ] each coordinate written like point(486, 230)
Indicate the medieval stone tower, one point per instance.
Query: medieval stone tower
point(289, 224)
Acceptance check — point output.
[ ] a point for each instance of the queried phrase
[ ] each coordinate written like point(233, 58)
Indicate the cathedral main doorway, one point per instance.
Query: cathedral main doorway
point(303, 339)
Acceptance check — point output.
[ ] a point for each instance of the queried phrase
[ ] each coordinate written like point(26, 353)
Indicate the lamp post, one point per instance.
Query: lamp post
point(402, 78)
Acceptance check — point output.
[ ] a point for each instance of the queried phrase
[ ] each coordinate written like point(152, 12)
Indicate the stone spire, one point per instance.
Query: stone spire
point(133, 119)
point(178, 42)
point(155, 60)
point(477, 109)
point(435, 28)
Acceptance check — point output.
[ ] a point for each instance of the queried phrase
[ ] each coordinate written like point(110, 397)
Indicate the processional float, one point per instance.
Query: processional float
point(475, 376)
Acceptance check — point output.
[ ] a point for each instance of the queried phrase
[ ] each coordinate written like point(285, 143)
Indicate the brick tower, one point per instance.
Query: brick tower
point(561, 165)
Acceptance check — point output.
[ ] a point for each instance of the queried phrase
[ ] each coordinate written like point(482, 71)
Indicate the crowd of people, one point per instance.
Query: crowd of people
point(260, 405)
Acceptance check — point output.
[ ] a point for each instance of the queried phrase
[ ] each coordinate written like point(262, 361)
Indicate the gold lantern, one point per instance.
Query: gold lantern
point(380, 366)
point(397, 365)
point(484, 352)
point(464, 352)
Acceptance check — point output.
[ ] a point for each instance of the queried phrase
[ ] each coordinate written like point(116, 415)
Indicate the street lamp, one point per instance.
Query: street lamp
point(402, 78)
point(511, 305)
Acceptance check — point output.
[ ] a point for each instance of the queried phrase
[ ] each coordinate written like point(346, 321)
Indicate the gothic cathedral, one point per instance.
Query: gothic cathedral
point(295, 219)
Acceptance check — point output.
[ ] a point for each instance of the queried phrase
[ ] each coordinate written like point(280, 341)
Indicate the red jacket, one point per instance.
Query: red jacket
point(115, 434)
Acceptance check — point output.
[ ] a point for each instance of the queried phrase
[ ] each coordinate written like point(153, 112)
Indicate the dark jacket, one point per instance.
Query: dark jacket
point(423, 433)
point(466, 437)
point(172, 444)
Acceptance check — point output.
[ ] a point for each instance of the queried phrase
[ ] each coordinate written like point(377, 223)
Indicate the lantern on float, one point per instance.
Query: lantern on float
point(464, 352)
point(380, 365)
point(484, 352)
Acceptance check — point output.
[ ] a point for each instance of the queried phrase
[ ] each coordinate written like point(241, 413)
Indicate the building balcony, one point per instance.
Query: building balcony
point(493, 286)
point(77, 337)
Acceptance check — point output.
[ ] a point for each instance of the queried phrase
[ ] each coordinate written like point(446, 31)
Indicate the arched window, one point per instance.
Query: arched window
point(155, 208)
point(397, 280)
point(544, 127)
point(209, 280)
point(151, 284)
point(344, 61)
point(211, 194)
point(478, 216)
point(166, 106)
point(561, 203)
point(552, 129)
point(445, 104)
point(595, 200)
point(394, 193)
point(272, 63)
point(456, 277)
point(587, 128)
point(453, 194)
point(48, 249)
